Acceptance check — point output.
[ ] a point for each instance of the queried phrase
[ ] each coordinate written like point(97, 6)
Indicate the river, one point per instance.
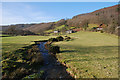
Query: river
point(52, 68)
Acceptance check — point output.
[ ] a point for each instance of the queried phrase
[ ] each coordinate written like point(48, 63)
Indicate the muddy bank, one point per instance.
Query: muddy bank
point(52, 68)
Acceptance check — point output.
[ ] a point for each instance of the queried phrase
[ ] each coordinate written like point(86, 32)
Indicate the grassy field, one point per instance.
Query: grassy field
point(90, 55)
point(17, 59)
point(10, 44)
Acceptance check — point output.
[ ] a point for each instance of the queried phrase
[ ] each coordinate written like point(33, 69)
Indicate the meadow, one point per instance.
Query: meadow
point(12, 43)
point(19, 55)
point(90, 55)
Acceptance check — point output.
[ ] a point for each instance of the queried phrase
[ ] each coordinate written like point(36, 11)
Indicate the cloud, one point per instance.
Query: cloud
point(23, 13)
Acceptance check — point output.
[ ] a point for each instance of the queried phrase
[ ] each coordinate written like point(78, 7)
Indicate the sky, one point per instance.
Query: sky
point(37, 12)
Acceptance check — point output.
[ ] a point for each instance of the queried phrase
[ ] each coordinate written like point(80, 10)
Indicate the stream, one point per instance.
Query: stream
point(51, 67)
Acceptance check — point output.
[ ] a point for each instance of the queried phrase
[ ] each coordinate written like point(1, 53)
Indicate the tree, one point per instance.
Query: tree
point(11, 30)
point(104, 20)
point(84, 24)
point(111, 28)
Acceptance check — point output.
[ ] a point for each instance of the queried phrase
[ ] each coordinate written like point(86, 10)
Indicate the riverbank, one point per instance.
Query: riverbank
point(87, 56)
point(21, 63)
point(52, 68)
point(90, 55)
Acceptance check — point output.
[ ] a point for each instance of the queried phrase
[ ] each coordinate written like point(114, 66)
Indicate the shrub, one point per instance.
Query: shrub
point(54, 49)
point(37, 59)
point(101, 31)
point(33, 49)
point(60, 38)
point(67, 38)
point(52, 40)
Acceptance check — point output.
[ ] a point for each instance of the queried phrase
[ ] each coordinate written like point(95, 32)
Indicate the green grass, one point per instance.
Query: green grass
point(90, 26)
point(56, 28)
point(59, 27)
point(13, 55)
point(72, 27)
point(90, 55)
point(49, 30)
point(10, 44)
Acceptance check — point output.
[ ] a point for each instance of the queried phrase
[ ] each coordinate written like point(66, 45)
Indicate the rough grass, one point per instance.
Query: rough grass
point(59, 27)
point(56, 28)
point(90, 55)
point(13, 52)
point(49, 30)
point(90, 26)
point(13, 43)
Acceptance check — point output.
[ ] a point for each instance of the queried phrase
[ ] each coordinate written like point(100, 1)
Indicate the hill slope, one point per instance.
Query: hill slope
point(38, 28)
point(107, 16)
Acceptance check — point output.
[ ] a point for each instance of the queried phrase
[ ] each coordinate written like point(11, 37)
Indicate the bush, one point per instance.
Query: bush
point(60, 38)
point(52, 40)
point(37, 59)
point(67, 38)
point(101, 31)
point(54, 49)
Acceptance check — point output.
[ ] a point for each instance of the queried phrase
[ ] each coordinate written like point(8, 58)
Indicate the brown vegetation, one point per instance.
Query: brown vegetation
point(107, 16)
point(22, 62)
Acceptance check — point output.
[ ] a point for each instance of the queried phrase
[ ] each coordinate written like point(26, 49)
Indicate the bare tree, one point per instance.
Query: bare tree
point(84, 24)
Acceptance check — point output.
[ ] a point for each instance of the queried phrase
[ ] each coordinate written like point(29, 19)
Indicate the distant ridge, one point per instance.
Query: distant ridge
point(106, 16)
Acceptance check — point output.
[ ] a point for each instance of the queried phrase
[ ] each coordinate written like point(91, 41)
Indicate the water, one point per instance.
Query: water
point(44, 52)
point(51, 67)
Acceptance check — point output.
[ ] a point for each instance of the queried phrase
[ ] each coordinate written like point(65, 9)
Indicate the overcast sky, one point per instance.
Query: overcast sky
point(37, 12)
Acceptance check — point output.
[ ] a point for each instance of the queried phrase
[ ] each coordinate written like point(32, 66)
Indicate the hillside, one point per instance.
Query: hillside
point(107, 16)
point(38, 28)
point(18, 26)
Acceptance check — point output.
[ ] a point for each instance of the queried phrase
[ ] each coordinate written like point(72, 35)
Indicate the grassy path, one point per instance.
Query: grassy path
point(90, 55)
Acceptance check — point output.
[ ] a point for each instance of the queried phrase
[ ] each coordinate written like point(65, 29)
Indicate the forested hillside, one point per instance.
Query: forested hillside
point(106, 16)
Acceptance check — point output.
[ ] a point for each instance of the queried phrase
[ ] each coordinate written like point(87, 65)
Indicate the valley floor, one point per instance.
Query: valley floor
point(88, 55)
